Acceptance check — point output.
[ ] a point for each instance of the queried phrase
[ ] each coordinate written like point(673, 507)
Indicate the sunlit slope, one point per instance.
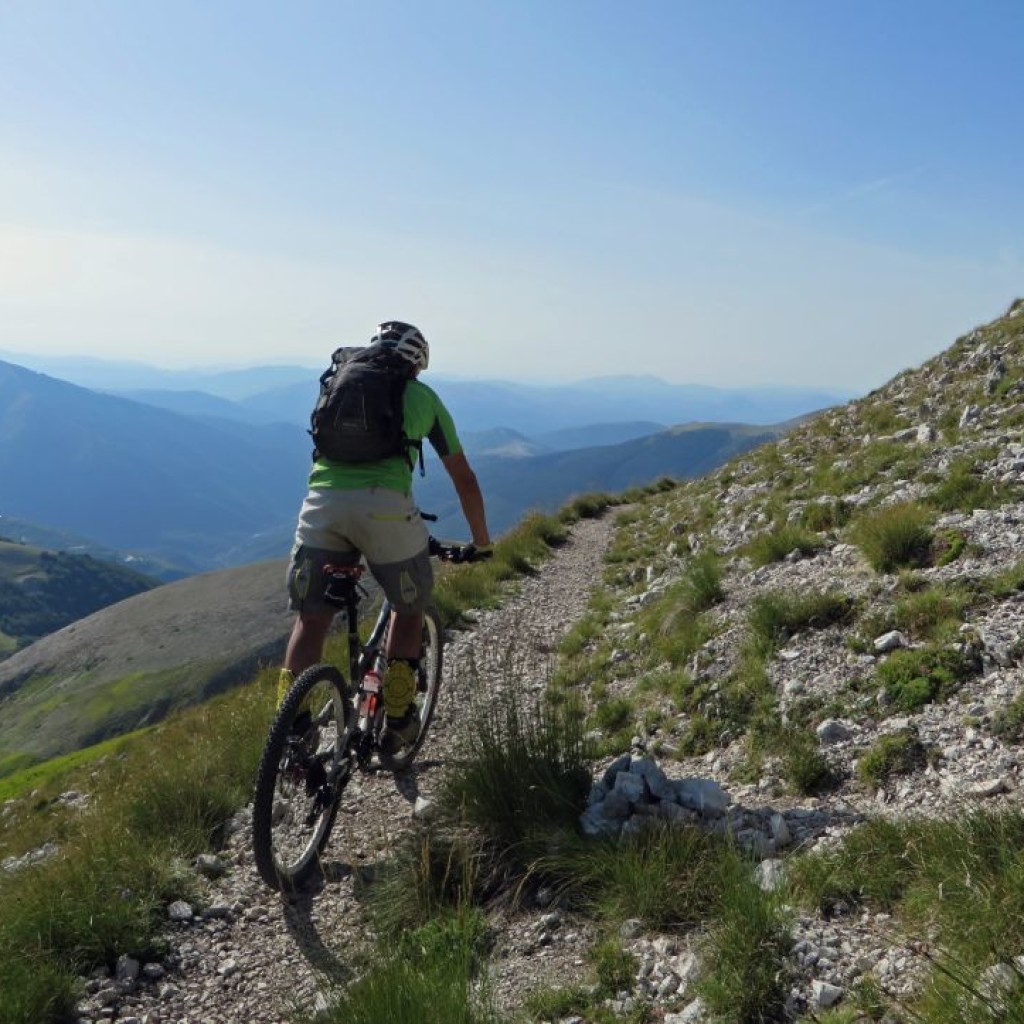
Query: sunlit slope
point(131, 663)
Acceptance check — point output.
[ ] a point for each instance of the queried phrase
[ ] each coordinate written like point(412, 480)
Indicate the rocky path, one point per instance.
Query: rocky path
point(251, 956)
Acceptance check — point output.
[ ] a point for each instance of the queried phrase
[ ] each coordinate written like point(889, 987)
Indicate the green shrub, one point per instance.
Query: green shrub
point(1008, 723)
point(880, 418)
point(667, 876)
point(702, 734)
point(1006, 583)
point(613, 715)
point(34, 987)
point(674, 621)
point(615, 968)
point(776, 544)
point(702, 581)
point(898, 753)
point(748, 943)
point(805, 768)
point(776, 616)
point(932, 613)
point(427, 981)
point(438, 871)
point(820, 516)
point(959, 879)
point(586, 506)
point(910, 679)
point(895, 537)
point(519, 774)
point(873, 866)
point(948, 546)
point(549, 1004)
point(964, 489)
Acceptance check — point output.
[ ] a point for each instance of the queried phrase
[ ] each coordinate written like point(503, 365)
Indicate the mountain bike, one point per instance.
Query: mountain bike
point(326, 729)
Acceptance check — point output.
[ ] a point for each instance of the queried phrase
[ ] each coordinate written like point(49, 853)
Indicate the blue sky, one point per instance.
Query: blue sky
point(785, 192)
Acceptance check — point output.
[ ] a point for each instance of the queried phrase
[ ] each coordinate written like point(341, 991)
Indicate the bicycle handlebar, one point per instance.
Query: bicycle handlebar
point(458, 553)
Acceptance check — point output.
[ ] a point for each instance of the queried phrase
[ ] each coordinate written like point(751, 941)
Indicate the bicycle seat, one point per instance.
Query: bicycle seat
point(347, 572)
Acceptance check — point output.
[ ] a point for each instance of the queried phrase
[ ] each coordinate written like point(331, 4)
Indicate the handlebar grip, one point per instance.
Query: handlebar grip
point(458, 553)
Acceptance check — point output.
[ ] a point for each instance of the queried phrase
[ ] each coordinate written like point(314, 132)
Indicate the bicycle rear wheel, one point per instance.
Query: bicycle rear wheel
point(305, 766)
point(428, 686)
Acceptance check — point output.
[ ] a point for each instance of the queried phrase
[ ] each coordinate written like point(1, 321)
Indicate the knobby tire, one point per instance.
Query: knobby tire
point(301, 778)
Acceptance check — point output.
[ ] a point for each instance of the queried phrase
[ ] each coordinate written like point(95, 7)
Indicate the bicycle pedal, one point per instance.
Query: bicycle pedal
point(316, 776)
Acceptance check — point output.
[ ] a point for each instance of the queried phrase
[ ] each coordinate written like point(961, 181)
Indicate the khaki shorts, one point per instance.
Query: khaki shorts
point(375, 523)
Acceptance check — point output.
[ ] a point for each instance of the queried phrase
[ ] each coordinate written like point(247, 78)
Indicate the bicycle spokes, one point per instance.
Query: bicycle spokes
point(305, 767)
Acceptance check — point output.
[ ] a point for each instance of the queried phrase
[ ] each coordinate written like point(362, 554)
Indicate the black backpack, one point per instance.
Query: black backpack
point(359, 416)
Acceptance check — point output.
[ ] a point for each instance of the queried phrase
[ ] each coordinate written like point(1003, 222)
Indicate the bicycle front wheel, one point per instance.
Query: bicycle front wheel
point(428, 687)
point(305, 766)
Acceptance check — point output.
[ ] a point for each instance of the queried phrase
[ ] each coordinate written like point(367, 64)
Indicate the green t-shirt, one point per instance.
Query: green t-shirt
point(424, 417)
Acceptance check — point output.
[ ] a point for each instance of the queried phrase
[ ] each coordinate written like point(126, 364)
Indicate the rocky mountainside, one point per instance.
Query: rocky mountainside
point(873, 598)
point(824, 632)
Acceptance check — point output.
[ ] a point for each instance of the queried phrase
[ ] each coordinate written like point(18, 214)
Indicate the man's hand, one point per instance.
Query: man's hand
point(477, 552)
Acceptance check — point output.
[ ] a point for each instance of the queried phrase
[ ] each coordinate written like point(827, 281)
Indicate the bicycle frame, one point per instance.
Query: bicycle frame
point(343, 592)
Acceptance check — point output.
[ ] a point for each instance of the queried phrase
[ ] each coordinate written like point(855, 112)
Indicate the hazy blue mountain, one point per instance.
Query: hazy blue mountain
point(124, 375)
point(202, 492)
point(138, 478)
point(536, 409)
point(201, 404)
point(503, 441)
point(545, 482)
point(286, 393)
point(596, 434)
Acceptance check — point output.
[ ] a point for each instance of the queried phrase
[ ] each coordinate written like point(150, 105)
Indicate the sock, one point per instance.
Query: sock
point(399, 686)
point(285, 678)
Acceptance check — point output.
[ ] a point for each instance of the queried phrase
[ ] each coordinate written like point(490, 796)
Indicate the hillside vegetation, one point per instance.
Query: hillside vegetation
point(132, 663)
point(41, 591)
point(775, 775)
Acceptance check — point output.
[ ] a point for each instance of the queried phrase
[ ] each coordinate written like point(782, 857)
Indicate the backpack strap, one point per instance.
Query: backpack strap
point(417, 446)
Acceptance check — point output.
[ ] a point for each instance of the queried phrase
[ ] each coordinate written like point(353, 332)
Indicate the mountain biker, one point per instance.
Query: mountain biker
point(366, 509)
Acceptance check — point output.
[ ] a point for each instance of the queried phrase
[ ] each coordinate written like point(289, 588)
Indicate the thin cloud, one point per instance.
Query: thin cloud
point(875, 186)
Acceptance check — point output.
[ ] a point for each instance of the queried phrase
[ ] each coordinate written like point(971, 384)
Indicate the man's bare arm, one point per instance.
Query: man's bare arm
point(470, 496)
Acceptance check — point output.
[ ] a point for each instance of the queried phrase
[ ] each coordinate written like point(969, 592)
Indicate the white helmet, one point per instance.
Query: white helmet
point(406, 340)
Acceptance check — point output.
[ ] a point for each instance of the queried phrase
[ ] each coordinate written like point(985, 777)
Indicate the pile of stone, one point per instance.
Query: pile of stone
point(633, 792)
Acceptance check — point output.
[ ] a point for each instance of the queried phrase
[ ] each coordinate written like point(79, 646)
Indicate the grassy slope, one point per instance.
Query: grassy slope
point(128, 665)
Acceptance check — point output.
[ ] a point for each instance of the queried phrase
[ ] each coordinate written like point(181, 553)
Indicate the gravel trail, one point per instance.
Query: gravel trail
point(251, 956)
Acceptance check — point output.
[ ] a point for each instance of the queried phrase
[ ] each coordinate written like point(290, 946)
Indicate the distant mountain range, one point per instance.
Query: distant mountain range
point(286, 393)
point(140, 479)
point(201, 470)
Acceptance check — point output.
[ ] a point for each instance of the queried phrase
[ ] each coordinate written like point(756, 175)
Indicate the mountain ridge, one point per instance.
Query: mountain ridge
point(847, 712)
point(202, 492)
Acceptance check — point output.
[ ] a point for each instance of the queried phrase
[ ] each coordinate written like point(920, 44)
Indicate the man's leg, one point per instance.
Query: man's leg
point(306, 643)
point(305, 648)
point(405, 637)
point(305, 596)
